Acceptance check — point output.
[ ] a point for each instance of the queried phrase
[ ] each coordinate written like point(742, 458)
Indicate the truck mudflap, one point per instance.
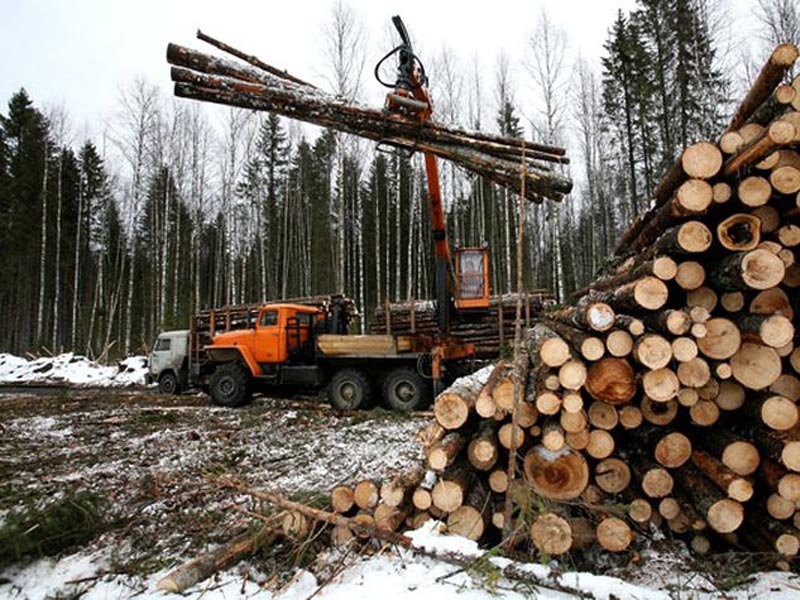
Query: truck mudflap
point(222, 354)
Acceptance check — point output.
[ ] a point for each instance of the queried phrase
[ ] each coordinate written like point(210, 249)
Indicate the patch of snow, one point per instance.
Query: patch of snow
point(72, 369)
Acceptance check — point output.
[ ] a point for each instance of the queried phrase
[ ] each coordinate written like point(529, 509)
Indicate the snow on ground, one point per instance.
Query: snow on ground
point(150, 455)
point(392, 575)
point(72, 369)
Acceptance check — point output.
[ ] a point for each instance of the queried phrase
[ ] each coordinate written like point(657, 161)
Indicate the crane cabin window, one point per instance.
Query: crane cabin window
point(471, 277)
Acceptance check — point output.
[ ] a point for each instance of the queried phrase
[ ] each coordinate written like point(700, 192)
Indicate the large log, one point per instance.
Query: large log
point(700, 161)
point(453, 406)
point(611, 380)
point(559, 475)
point(202, 77)
point(770, 76)
point(757, 270)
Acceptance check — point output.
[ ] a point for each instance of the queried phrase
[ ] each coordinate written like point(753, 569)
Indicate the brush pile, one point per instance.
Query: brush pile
point(665, 396)
point(253, 84)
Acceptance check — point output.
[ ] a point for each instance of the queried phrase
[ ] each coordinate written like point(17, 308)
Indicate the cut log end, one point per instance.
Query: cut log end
point(551, 534)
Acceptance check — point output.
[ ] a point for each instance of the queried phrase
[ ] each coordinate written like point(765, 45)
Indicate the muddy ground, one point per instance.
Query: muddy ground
point(153, 458)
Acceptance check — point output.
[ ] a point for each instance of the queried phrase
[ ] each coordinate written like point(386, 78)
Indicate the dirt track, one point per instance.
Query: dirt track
point(150, 455)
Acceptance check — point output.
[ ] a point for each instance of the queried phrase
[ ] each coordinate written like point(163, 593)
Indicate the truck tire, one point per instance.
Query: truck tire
point(230, 385)
point(168, 383)
point(350, 389)
point(404, 389)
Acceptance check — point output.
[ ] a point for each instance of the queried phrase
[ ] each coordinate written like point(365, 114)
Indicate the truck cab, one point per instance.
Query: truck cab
point(167, 365)
point(282, 334)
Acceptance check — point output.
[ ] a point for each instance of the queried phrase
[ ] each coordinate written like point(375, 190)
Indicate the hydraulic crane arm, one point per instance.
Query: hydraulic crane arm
point(410, 99)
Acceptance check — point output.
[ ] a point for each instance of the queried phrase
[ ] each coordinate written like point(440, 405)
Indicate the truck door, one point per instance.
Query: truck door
point(268, 337)
point(160, 356)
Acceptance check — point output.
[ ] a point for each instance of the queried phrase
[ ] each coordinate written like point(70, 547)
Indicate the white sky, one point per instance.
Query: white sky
point(77, 53)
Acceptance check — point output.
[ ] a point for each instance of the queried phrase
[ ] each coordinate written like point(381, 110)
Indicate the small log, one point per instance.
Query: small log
point(551, 534)
point(399, 488)
point(653, 351)
point(691, 275)
point(735, 486)
point(482, 450)
point(204, 566)
point(723, 514)
point(619, 343)
point(673, 450)
point(771, 330)
point(614, 535)
point(661, 385)
point(453, 406)
point(655, 481)
point(785, 175)
point(612, 475)
point(451, 489)
point(366, 494)
point(647, 293)
point(694, 373)
point(593, 316)
point(342, 499)
point(684, 349)
point(603, 415)
point(601, 444)
point(441, 455)
point(659, 412)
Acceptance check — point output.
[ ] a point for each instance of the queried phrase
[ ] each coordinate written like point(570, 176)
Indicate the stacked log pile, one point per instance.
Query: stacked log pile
point(250, 83)
point(488, 330)
point(667, 394)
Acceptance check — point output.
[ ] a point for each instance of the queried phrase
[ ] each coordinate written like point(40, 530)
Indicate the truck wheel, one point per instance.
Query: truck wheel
point(350, 389)
point(404, 389)
point(230, 385)
point(168, 383)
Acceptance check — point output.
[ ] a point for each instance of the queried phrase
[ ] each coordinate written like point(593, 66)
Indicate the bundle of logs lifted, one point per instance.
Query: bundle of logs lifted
point(666, 396)
point(253, 84)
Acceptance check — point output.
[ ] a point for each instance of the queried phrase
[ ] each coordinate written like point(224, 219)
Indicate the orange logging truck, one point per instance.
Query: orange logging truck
point(234, 351)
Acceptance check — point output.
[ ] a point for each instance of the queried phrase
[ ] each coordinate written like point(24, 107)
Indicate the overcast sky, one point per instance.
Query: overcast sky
point(79, 52)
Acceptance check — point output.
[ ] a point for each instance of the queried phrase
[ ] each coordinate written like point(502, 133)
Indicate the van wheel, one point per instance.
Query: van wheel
point(168, 383)
point(350, 389)
point(404, 389)
point(230, 385)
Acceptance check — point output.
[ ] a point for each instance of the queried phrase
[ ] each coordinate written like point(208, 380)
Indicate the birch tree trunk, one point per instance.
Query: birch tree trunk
point(43, 249)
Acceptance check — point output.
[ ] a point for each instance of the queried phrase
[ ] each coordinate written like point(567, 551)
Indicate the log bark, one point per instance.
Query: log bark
point(204, 566)
point(754, 270)
point(780, 61)
point(723, 514)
